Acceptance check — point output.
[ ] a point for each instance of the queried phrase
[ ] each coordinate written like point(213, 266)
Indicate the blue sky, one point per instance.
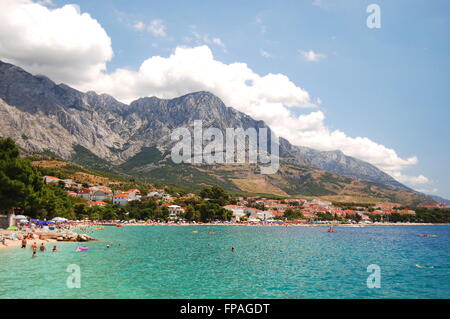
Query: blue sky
point(390, 85)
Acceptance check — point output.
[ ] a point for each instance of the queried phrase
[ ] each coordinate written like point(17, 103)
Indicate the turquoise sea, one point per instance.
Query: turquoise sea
point(269, 262)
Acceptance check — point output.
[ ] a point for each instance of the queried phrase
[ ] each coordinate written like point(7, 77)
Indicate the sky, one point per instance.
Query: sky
point(312, 69)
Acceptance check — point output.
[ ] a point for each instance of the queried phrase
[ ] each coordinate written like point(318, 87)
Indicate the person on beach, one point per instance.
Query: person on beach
point(3, 241)
point(34, 246)
point(24, 242)
point(55, 249)
point(42, 248)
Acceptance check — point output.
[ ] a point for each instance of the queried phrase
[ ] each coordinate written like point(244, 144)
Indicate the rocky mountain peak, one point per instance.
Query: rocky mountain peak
point(43, 116)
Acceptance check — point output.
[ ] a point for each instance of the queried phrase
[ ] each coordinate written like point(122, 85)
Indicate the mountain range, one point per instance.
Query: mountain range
point(100, 132)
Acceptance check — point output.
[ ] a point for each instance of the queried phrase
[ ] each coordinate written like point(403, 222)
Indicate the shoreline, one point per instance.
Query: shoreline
point(45, 237)
point(274, 225)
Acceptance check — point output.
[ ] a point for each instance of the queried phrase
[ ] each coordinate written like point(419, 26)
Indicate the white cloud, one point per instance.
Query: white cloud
point(45, 2)
point(413, 181)
point(72, 47)
point(194, 69)
point(312, 56)
point(157, 28)
point(62, 43)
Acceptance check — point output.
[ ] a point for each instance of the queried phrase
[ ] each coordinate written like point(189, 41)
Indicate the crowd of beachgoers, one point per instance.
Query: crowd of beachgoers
point(37, 236)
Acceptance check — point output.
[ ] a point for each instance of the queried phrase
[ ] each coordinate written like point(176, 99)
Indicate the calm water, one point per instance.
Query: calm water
point(269, 262)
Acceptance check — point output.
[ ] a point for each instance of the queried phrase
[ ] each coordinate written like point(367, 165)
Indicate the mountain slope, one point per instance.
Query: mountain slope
point(103, 133)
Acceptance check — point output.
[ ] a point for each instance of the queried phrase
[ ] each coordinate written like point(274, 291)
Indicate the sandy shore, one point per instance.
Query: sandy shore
point(49, 238)
point(18, 243)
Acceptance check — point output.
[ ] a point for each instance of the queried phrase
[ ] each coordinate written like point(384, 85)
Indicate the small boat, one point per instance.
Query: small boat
point(99, 228)
point(119, 225)
point(81, 248)
point(428, 235)
point(331, 230)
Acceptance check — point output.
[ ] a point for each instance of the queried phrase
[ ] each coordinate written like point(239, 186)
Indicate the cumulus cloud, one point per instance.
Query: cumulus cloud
point(62, 43)
point(72, 47)
point(312, 56)
point(45, 2)
point(413, 181)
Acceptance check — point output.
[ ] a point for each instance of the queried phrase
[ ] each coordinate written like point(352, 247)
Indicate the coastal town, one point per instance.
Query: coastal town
point(234, 211)
point(244, 209)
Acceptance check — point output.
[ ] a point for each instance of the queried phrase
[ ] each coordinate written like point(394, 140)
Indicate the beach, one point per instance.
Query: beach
point(13, 238)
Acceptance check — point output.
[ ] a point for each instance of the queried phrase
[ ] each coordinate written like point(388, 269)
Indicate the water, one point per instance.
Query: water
point(269, 262)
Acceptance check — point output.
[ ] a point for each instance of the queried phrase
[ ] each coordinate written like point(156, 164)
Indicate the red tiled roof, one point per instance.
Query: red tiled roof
point(121, 196)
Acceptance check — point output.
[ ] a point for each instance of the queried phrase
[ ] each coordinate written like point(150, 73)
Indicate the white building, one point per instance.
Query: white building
point(258, 214)
point(100, 195)
point(238, 211)
point(85, 194)
point(135, 194)
point(175, 211)
point(121, 199)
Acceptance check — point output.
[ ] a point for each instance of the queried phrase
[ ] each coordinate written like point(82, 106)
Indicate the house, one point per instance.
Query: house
point(85, 193)
point(135, 194)
point(97, 204)
point(258, 214)
point(238, 211)
point(175, 211)
point(102, 195)
point(159, 193)
point(51, 180)
point(121, 199)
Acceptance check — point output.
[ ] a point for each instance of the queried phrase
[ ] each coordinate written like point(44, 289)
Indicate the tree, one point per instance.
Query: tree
point(192, 214)
point(210, 211)
point(20, 182)
point(291, 214)
point(216, 194)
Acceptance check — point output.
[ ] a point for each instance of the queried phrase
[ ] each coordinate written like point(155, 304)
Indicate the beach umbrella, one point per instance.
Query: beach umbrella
point(12, 228)
point(20, 217)
point(59, 219)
